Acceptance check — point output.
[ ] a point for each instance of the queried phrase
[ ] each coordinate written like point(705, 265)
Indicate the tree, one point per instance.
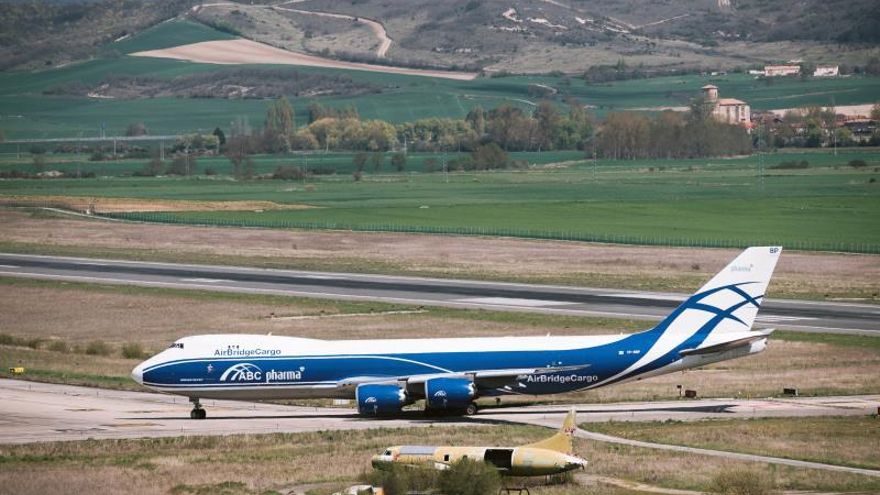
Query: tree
point(548, 122)
point(238, 152)
point(377, 159)
point(359, 160)
point(136, 129)
point(279, 126)
point(221, 136)
point(398, 161)
point(476, 118)
point(489, 156)
point(182, 165)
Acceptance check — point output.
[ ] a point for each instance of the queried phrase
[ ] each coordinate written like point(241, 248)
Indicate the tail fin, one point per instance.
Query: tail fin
point(723, 309)
point(561, 441)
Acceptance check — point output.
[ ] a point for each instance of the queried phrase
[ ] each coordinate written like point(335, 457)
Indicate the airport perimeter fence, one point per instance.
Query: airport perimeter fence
point(641, 240)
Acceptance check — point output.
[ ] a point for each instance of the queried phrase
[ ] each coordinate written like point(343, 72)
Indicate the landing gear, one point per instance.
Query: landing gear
point(471, 409)
point(197, 411)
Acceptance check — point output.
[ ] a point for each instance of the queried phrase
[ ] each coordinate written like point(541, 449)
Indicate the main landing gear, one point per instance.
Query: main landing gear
point(197, 411)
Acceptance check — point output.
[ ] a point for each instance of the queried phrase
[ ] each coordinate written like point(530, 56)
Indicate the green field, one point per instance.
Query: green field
point(28, 113)
point(712, 202)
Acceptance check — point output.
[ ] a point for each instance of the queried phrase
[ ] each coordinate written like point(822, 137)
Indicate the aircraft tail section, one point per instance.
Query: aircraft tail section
point(713, 324)
point(724, 308)
point(561, 441)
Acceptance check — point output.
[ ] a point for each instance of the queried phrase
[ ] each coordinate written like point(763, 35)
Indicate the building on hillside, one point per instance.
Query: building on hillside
point(728, 110)
point(781, 70)
point(826, 71)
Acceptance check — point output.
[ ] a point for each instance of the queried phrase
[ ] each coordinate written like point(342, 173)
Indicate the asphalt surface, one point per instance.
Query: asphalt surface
point(807, 316)
point(42, 412)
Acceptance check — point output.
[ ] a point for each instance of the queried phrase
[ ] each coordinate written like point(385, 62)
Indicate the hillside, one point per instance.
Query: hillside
point(543, 36)
point(51, 33)
point(520, 36)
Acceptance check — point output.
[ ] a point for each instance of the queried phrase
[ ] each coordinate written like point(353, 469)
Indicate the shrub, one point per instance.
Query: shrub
point(210, 171)
point(98, 348)
point(469, 477)
point(59, 346)
point(132, 350)
point(857, 164)
point(741, 482)
point(288, 172)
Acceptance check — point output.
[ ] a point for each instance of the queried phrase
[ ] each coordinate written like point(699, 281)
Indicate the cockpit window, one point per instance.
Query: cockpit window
point(176, 345)
point(387, 452)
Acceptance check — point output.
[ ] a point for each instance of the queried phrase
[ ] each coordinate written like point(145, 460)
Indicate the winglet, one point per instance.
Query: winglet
point(561, 441)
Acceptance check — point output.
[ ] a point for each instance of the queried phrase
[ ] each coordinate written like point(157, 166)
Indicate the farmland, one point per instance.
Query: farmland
point(827, 206)
point(28, 113)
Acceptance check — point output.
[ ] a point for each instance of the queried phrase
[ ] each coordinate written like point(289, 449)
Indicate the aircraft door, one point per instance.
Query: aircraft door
point(500, 458)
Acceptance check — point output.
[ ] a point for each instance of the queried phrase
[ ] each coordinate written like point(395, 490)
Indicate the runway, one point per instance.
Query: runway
point(807, 316)
point(42, 412)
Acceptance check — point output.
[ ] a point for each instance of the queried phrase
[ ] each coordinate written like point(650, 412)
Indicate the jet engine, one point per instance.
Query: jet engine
point(374, 399)
point(449, 393)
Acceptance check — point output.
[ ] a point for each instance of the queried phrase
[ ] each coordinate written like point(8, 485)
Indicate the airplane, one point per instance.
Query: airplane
point(382, 376)
point(552, 455)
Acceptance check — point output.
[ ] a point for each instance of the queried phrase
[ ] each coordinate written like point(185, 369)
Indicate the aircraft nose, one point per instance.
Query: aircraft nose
point(137, 374)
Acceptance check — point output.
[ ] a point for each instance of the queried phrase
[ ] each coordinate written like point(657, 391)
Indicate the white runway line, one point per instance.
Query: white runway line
point(513, 301)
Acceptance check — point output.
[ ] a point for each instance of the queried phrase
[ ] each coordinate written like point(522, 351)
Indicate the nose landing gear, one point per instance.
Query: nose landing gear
point(197, 411)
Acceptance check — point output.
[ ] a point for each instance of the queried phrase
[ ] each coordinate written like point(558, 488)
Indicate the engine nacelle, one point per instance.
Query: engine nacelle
point(374, 399)
point(449, 393)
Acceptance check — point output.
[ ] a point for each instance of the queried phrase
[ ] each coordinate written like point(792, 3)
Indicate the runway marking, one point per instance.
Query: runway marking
point(651, 297)
point(9, 266)
point(204, 280)
point(513, 301)
point(772, 318)
point(345, 315)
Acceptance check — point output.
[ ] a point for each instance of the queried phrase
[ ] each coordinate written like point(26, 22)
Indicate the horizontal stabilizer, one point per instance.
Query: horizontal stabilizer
point(740, 341)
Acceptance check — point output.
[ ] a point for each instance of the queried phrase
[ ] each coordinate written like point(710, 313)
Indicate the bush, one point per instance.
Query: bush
point(210, 171)
point(59, 346)
point(288, 172)
point(469, 477)
point(33, 343)
point(741, 482)
point(400, 480)
point(132, 350)
point(153, 168)
point(98, 348)
point(857, 164)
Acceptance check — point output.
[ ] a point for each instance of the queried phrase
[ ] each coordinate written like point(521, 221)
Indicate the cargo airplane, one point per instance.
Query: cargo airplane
point(552, 455)
point(382, 376)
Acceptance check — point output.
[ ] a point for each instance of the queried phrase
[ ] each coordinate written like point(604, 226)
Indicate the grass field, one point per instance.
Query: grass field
point(709, 202)
point(275, 463)
point(845, 440)
point(27, 113)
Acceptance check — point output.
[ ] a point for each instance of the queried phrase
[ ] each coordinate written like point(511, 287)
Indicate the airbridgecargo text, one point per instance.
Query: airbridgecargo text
point(237, 352)
point(562, 378)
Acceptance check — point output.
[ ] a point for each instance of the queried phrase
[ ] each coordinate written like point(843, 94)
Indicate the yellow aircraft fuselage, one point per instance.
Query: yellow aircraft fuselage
point(549, 456)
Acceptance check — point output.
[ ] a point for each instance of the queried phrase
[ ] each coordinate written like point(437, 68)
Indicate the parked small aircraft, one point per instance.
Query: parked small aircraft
point(552, 455)
point(382, 376)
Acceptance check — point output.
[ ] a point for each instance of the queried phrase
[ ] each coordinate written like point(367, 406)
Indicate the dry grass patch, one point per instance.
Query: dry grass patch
point(696, 472)
point(115, 205)
point(258, 463)
point(844, 440)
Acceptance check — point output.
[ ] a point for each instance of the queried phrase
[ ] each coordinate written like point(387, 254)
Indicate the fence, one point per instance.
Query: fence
point(170, 218)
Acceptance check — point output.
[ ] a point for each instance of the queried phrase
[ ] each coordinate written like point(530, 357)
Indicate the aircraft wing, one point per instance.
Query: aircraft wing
point(485, 379)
